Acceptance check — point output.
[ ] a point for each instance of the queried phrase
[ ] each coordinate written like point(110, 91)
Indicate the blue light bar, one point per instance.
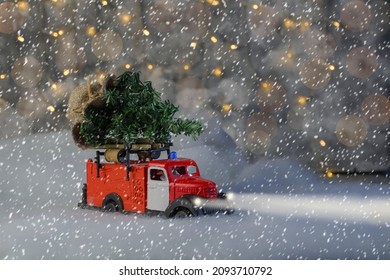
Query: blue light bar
point(173, 155)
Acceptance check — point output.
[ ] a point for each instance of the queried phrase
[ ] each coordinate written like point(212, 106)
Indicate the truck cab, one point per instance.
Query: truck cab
point(172, 179)
point(172, 186)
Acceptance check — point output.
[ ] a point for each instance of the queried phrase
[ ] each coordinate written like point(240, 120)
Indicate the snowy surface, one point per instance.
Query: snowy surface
point(285, 211)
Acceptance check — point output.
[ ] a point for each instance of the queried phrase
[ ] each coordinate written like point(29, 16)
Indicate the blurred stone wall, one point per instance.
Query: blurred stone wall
point(307, 79)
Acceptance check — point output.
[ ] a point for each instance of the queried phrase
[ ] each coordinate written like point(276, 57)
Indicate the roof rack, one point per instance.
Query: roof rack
point(143, 150)
point(135, 146)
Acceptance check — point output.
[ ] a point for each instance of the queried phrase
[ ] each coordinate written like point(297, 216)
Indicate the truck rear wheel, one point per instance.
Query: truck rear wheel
point(113, 203)
point(110, 206)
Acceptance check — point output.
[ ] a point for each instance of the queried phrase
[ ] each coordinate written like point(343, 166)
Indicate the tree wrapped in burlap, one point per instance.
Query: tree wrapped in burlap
point(124, 110)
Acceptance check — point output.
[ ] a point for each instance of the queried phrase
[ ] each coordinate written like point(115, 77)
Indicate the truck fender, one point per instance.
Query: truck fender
point(180, 203)
point(116, 198)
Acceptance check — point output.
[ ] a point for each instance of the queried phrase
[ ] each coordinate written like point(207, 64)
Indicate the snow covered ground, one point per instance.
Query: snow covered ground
point(286, 211)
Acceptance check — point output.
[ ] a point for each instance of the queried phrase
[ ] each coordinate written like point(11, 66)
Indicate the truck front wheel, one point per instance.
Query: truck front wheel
point(183, 213)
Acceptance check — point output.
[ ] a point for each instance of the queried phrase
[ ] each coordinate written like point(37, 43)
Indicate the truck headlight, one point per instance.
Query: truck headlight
point(230, 196)
point(197, 202)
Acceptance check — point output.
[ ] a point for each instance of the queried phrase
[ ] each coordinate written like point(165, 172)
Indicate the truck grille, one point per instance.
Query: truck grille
point(211, 192)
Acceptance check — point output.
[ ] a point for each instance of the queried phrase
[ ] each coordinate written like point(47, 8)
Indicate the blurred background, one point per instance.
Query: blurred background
point(298, 79)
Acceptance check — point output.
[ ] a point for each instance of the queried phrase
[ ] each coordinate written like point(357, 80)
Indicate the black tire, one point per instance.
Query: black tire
point(183, 213)
point(111, 206)
point(112, 203)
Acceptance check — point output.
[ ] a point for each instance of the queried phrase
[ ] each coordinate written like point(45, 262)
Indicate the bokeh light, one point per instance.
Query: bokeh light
point(163, 15)
point(107, 45)
point(226, 93)
point(262, 121)
point(32, 106)
point(289, 23)
point(214, 39)
point(217, 71)
point(271, 97)
point(351, 130)
point(12, 16)
point(314, 73)
point(191, 94)
point(355, 16)
point(297, 117)
point(26, 72)
point(125, 18)
point(258, 142)
point(68, 56)
point(319, 43)
point(361, 62)
point(194, 21)
point(91, 31)
point(262, 21)
point(376, 109)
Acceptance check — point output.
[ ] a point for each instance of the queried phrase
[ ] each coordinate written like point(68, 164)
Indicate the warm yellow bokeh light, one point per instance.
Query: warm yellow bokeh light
point(288, 23)
point(217, 71)
point(66, 72)
point(186, 67)
point(304, 25)
point(329, 174)
point(322, 143)
point(91, 31)
point(214, 39)
point(146, 32)
point(331, 67)
point(193, 45)
point(127, 65)
point(150, 66)
point(233, 47)
point(104, 2)
point(24, 6)
point(255, 6)
point(20, 38)
point(226, 107)
point(213, 2)
point(3, 76)
point(54, 86)
point(266, 85)
point(302, 100)
point(125, 18)
point(51, 108)
point(336, 24)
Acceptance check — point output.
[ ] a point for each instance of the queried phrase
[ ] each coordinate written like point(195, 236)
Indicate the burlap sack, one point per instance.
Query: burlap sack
point(83, 97)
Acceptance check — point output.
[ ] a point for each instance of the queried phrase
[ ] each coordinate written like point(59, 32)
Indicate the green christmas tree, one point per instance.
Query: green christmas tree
point(133, 110)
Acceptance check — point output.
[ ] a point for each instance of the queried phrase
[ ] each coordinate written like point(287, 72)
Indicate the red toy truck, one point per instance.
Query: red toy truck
point(172, 186)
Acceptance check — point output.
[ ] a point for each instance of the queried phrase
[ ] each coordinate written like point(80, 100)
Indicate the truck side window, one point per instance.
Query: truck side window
point(157, 175)
point(178, 170)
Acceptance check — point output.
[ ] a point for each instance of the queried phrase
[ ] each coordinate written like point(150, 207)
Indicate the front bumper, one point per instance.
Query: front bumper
point(221, 205)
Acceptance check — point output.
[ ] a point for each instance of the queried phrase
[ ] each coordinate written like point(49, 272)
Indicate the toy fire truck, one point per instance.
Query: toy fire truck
point(172, 186)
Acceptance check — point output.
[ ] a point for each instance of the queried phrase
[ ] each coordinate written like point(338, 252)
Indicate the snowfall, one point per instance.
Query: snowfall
point(284, 210)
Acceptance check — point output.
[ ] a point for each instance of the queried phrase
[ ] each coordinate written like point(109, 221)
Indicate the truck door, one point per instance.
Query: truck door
point(158, 189)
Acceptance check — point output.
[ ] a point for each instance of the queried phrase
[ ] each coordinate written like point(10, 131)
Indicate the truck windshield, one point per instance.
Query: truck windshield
point(192, 170)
